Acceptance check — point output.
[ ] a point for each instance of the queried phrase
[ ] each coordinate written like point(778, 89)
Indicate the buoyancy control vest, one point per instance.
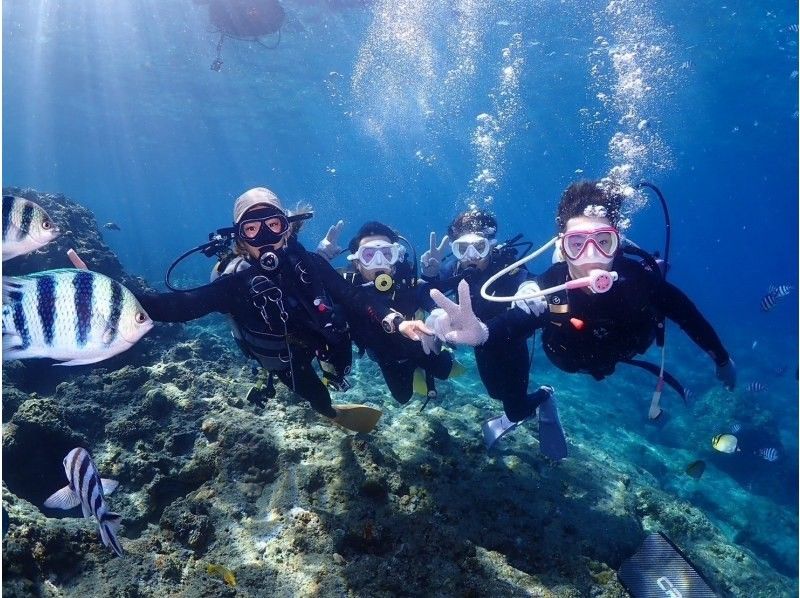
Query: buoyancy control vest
point(619, 325)
point(277, 297)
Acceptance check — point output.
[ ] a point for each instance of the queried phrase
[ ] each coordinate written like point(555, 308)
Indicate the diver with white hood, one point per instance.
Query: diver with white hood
point(282, 300)
point(597, 307)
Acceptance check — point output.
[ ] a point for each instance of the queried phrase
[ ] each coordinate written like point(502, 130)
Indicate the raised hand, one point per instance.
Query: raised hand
point(461, 326)
point(329, 246)
point(431, 260)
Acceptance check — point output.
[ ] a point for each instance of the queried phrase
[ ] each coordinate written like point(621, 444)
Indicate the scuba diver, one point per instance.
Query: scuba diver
point(244, 20)
point(597, 307)
point(282, 299)
point(382, 270)
point(503, 363)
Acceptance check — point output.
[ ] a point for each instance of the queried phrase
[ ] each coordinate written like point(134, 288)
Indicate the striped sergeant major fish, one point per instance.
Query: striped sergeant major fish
point(768, 302)
point(780, 291)
point(768, 454)
point(74, 316)
point(26, 227)
point(774, 293)
point(88, 490)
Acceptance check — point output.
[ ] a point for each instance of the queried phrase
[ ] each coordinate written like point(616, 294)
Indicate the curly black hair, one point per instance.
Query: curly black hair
point(582, 194)
point(369, 229)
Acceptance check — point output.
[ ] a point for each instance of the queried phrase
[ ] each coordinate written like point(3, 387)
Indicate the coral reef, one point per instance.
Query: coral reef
point(291, 505)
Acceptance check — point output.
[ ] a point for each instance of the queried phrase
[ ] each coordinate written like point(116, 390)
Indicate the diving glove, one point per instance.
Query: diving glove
point(460, 326)
point(329, 246)
point(431, 260)
point(534, 305)
point(436, 322)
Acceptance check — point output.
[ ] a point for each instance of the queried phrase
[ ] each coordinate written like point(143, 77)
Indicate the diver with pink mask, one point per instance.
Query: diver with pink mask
point(595, 306)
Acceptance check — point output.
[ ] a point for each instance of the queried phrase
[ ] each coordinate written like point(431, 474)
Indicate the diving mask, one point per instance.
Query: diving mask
point(263, 226)
point(471, 247)
point(598, 245)
point(377, 255)
point(267, 226)
point(598, 280)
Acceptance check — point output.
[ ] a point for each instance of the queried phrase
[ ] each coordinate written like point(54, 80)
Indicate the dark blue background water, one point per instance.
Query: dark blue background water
point(114, 104)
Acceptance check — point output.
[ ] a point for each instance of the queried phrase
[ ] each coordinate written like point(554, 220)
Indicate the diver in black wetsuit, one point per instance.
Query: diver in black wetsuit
point(281, 300)
point(382, 270)
point(503, 364)
point(585, 329)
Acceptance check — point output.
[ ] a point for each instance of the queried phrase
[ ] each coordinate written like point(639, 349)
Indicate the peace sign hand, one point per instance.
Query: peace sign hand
point(461, 326)
point(329, 246)
point(431, 260)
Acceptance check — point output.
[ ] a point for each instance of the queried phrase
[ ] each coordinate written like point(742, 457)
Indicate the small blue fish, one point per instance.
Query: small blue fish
point(780, 370)
point(735, 428)
point(768, 454)
point(755, 387)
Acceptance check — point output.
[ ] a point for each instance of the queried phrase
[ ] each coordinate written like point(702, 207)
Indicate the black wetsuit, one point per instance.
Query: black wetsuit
point(298, 300)
point(503, 363)
point(397, 356)
point(591, 333)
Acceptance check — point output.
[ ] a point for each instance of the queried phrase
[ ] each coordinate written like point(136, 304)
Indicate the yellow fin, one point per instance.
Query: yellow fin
point(420, 386)
point(358, 418)
point(228, 576)
point(457, 370)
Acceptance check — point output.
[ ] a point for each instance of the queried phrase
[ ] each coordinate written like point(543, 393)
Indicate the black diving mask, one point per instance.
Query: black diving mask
point(267, 226)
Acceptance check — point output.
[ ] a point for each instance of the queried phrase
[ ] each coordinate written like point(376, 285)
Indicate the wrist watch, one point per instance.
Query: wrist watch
point(392, 321)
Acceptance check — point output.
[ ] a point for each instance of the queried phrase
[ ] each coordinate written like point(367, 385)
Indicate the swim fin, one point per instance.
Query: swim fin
point(552, 442)
point(357, 418)
point(420, 385)
point(495, 428)
point(660, 568)
point(457, 370)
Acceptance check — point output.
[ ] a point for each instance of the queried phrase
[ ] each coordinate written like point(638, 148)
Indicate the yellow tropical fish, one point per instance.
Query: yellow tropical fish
point(219, 571)
point(725, 443)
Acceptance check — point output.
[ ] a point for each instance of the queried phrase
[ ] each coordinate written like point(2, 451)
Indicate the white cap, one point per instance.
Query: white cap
point(254, 197)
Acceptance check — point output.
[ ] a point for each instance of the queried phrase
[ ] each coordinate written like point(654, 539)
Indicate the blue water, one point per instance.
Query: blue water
point(371, 110)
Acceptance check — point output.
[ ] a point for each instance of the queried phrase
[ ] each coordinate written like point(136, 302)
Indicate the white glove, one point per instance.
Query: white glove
point(438, 321)
point(329, 246)
point(431, 260)
point(534, 305)
point(461, 326)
